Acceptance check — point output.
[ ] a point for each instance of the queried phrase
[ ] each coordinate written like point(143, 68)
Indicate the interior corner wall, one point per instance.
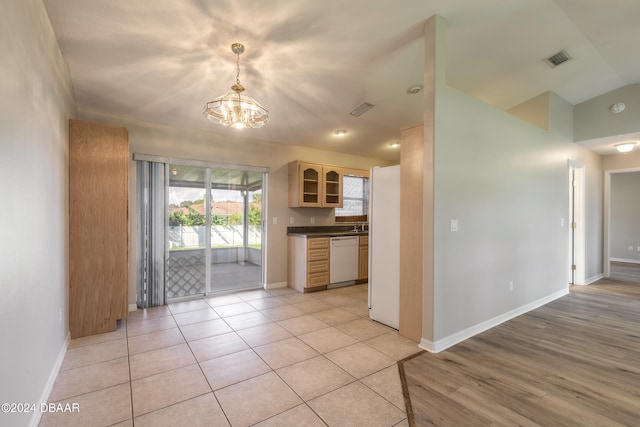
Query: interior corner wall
point(593, 118)
point(37, 103)
point(148, 138)
point(624, 216)
point(506, 183)
point(534, 111)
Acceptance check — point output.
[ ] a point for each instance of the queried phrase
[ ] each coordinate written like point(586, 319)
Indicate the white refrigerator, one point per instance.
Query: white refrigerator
point(384, 245)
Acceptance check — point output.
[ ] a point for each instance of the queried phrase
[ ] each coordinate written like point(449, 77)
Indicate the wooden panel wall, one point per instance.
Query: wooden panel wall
point(411, 227)
point(98, 211)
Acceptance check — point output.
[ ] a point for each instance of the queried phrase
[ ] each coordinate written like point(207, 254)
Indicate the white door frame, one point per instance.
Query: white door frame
point(606, 262)
point(577, 239)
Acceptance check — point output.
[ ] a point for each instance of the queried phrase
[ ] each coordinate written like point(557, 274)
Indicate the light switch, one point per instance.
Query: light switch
point(454, 225)
point(275, 220)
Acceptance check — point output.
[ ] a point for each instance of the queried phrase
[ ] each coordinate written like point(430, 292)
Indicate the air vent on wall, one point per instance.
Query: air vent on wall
point(361, 109)
point(559, 58)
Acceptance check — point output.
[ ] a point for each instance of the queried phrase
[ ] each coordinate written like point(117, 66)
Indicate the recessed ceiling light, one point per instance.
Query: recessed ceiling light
point(625, 147)
point(394, 145)
point(340, 133)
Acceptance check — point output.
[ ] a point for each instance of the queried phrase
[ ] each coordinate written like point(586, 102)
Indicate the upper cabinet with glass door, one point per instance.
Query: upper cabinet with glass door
point(314, 186)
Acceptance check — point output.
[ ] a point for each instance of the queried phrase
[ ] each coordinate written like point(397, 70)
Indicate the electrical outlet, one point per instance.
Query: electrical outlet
point(312, 219)
point(291, 220)
point(630, 248)
point(61, 315)
point(638, 248)
point(511, 286)
point(275, 220)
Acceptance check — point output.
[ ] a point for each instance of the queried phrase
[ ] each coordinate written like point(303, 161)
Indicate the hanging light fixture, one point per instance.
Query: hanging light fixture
point(625, 147)
point(236, 109)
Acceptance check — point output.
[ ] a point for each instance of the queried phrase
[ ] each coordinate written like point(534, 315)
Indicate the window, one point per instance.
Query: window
point(355, 198)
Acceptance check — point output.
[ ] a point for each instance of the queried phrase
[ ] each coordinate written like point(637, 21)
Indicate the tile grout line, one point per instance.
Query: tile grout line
point(286, 304)
point(200, 367)
point(126, 334)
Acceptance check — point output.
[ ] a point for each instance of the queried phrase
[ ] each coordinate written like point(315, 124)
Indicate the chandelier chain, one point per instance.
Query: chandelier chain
point(238, 67)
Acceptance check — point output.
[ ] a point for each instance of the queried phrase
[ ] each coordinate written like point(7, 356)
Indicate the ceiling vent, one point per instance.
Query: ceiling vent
point(361, 109)
point(557, 59)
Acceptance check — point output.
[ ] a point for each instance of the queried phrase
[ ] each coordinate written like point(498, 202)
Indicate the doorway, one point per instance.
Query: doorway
point(201, 230)
point(621, 235)
point(576, 223)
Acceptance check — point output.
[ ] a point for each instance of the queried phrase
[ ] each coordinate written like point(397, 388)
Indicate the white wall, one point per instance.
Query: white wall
point(593, 119)
point(37, 102)
point(241, 150)
point(506, 182)
point(625, 216)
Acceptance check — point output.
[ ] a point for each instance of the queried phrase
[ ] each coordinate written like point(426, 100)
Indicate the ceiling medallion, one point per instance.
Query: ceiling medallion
point(236, 109)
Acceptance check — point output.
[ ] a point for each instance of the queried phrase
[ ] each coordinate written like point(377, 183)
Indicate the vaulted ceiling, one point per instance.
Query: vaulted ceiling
point(312, 62)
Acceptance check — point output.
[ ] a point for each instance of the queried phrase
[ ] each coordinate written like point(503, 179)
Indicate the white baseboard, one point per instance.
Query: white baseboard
point(445, 343)
point(44, 397)
point(276, 285)
point(593, 279)
point(630, 261)
point(133, 307)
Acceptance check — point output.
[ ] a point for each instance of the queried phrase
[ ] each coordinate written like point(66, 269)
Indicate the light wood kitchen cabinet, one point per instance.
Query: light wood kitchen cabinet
point(308, 263)
point(314, 185)
point(363, 259)
point(98, 227)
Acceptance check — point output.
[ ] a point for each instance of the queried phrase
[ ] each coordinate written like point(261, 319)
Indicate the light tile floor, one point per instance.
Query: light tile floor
point(267, 358)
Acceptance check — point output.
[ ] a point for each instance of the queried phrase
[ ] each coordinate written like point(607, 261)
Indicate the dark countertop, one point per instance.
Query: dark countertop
point(326, 231)
point(330, 233)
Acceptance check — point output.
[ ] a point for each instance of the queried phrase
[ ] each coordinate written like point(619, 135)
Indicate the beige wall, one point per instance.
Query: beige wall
point(534, 111)
point(208, 146)
point(37, 102)
point(622, 161)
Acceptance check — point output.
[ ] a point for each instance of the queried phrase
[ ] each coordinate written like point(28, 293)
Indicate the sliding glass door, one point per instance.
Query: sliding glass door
point(211, 238)
point(215, 230)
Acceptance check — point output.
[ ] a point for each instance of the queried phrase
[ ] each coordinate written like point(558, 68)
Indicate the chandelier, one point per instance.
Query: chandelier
point(236, 109)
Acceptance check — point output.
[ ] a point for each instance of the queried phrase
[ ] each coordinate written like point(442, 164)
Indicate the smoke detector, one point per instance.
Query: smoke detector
point(618, 107)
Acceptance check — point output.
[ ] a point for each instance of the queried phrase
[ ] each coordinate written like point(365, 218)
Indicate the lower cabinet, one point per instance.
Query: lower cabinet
point(308, 263)
point(363, 259)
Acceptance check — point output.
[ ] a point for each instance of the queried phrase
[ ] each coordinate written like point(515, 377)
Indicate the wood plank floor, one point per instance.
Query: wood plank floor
point(573, 362)
point(625, 271)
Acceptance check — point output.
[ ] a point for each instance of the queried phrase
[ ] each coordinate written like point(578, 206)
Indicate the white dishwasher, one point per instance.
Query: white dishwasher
point(343, 259)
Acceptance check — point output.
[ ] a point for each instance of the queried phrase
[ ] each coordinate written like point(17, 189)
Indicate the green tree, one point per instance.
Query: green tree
point(194, 217)
point(255, 215)
point(177, 218)
point(218, 219)
point(234, 219)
